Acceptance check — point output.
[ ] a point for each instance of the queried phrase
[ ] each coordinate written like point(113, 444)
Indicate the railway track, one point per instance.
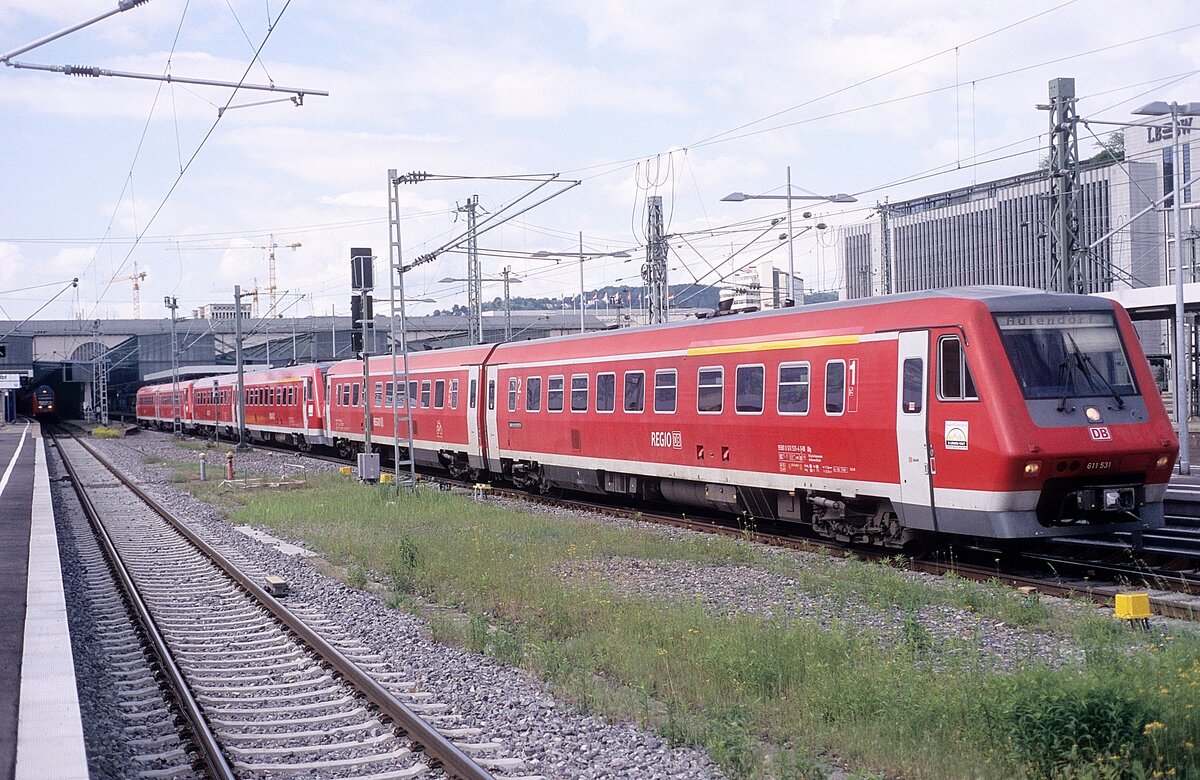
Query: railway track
point(130, 719)
point(1166, 562)
point(1173, 582)
point(264, 689)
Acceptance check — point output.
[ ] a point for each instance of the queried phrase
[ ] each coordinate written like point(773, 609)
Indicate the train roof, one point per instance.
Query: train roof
point(993, 298)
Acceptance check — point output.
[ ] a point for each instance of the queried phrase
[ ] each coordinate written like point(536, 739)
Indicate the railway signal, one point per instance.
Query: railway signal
point(362, 316)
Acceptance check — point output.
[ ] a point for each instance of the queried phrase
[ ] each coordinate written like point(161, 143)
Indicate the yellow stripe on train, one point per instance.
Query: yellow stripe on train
point(816, 341)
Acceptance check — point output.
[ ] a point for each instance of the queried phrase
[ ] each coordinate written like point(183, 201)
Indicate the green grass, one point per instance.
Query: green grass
point(765, 697)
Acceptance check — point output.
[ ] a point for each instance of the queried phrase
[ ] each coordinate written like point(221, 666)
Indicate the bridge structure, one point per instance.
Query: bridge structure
point(65, 354)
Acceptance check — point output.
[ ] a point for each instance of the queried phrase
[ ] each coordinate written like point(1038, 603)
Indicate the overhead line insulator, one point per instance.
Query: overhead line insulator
point(82, 70)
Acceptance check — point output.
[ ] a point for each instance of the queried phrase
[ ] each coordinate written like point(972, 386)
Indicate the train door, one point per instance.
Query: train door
point(476, 451)
point(912, 431)
point(490, 401)
point(308, 404)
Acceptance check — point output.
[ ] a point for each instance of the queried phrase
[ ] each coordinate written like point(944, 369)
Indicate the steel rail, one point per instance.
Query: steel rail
point(1163, 606)
point(440, 749)
point(210, 750)
point(1094, 592)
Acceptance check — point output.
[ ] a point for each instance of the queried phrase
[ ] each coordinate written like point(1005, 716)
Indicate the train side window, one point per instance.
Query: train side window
point(635, 391)
point(379, 394)
point(606, 392)
point(412, 393)
point(748, 389)
point(710, 390)
point(491, 394)
point(471, 388)
point(514, 387)
point(554, 394)
point(453, 393)
point(389, 394)
point(579, 392)
point(533, 393)
point(664, 391)
point(912, 393)
point(793, 388)
point(439, 394)
point(954, 375)
point(425, 393)
point(835, 387)
point(308, 389)
point(355, 391)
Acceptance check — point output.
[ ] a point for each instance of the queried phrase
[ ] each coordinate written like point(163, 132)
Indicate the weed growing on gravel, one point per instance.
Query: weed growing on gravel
point(1128, 714)
point(763, 696)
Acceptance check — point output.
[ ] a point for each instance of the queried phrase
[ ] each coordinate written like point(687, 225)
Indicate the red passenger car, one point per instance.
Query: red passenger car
point(283, 405)
point(156, 405)
point(993, 412)
point(444, 386)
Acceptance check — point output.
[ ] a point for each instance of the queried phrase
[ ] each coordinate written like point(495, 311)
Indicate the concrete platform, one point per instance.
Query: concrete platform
point(41, 733)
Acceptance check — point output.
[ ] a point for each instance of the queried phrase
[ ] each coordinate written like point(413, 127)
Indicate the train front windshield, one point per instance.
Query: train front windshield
point(1067, 354)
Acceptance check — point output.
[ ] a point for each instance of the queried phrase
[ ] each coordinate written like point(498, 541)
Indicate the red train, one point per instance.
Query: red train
point(985, 412)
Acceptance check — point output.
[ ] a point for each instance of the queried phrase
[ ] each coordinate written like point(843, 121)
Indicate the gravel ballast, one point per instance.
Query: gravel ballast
point(549, 737)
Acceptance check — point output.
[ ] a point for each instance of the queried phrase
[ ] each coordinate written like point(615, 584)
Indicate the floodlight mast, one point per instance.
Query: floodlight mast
point(841, 197)
point(1182, 405)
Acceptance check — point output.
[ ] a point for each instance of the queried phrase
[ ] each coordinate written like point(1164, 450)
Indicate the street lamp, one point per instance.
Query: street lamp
point(841, 197)
point(1176, 110)
point(176, 420)
point(582, 256)
point(507, 281)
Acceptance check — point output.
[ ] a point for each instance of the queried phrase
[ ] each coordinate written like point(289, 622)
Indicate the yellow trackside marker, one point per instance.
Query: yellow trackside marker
point(1133, 607)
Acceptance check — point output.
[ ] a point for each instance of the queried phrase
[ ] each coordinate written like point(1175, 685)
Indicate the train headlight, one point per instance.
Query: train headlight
point(1092, 413)
point(1033, 468)
point(1162, 461)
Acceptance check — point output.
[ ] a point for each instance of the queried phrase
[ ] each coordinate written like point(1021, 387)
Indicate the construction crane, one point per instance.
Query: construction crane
point(271, 247)
point(134, 277)
point(271, 269)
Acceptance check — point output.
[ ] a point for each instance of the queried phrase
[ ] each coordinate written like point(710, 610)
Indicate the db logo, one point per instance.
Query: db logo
point(1100, 434)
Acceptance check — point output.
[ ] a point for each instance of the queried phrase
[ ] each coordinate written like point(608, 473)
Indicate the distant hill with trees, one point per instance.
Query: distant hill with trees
point(689, 296)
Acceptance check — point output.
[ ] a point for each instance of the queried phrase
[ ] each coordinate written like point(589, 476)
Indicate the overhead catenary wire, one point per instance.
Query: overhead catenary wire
point(198, 149)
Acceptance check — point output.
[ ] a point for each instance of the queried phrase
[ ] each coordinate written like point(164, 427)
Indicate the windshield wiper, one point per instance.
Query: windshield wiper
point(1084, 361)
point(1066, 379)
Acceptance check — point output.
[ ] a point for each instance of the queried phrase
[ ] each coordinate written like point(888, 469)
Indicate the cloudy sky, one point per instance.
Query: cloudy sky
point(689, 100)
